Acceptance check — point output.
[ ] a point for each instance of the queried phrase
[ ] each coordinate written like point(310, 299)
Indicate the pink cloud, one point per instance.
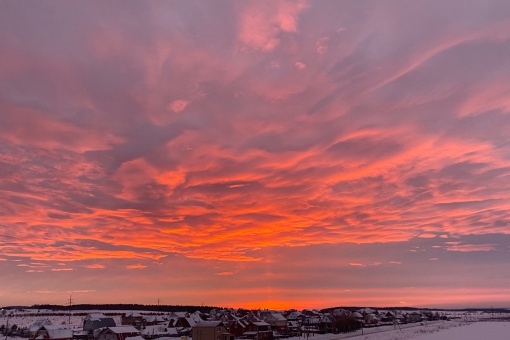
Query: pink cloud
point(427, 235)
point(178, 105)
point(471, 247)
point(261, 23)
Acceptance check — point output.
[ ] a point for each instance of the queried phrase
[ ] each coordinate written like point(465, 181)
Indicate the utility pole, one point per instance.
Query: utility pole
point(7, 327)
point(70, 305)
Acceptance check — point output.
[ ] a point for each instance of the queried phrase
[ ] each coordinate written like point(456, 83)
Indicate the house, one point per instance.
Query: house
point(132, 319)
point(176, 315)
point(414, 317)
point(277, 321)
point(240, 312)
point(172, 322)
point(197, 316)
point(158, 331)
point(37, 324)
point(294, 315)
point(259, 330)
point(366, 311)
point(388, 316)
point(343, 321)
point(151, 320)
point(184, 325)
point(211, 330)
point(371, 319)
point(185, 322)
point(310, 313)
point(293, 328)
point(117, 333)
point(326, 324)
point(311, 324)
point(95, 321)
point(357, 316)
point(50, 332)
point(239, 327)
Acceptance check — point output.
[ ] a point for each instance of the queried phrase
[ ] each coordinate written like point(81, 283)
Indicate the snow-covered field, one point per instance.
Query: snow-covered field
point(76, 321)
point(479, 330)
point(447, 330)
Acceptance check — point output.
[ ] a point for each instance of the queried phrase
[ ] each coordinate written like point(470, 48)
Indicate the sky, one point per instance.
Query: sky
point(256, 154)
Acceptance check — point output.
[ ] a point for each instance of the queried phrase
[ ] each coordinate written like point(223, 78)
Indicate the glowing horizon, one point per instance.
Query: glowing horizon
point(260, 153)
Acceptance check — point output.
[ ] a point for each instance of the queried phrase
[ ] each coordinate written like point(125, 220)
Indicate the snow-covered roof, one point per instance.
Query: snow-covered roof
point(192, 321)
point(80, 333)
point(154, 318)
point(95, 316)
point(55, 327)
point(326, 318)
point(278, 317)
point(293, 323)
point(340, 311)
point(138, 337)
point(197, 316)
point(294, 315)
point(180, 314)
point(171, 331)
point(133, 315)
point(38, 324)
point(167, 338)
point(208, 324)
point(156, 329)
point(123, 329)
point(59, 332)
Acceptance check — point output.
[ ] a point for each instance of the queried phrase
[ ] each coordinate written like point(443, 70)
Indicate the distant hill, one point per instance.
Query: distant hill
point(469, 310)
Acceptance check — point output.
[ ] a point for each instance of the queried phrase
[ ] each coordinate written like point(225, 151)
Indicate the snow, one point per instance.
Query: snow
point(478, 330)
point(123, 329)
point(447, 330)
point(138, 337)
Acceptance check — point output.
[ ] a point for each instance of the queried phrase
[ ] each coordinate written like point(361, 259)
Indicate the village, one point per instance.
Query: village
point(218, 324)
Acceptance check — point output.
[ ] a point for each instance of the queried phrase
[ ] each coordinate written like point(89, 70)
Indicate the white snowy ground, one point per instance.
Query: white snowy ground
point(448, 330)
point(76, 321)
point(479, 330)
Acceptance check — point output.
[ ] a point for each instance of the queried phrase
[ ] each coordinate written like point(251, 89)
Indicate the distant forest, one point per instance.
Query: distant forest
point(207, 309)
point(121, 307)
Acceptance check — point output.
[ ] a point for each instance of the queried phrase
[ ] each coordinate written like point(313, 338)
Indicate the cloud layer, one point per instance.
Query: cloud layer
point(248, 143)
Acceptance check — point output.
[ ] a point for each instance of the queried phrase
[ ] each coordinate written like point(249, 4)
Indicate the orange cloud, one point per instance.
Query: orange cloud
point(95, 266)
point(136, 266)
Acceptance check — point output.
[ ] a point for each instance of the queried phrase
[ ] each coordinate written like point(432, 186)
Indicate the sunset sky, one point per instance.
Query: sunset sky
point(257, 154)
